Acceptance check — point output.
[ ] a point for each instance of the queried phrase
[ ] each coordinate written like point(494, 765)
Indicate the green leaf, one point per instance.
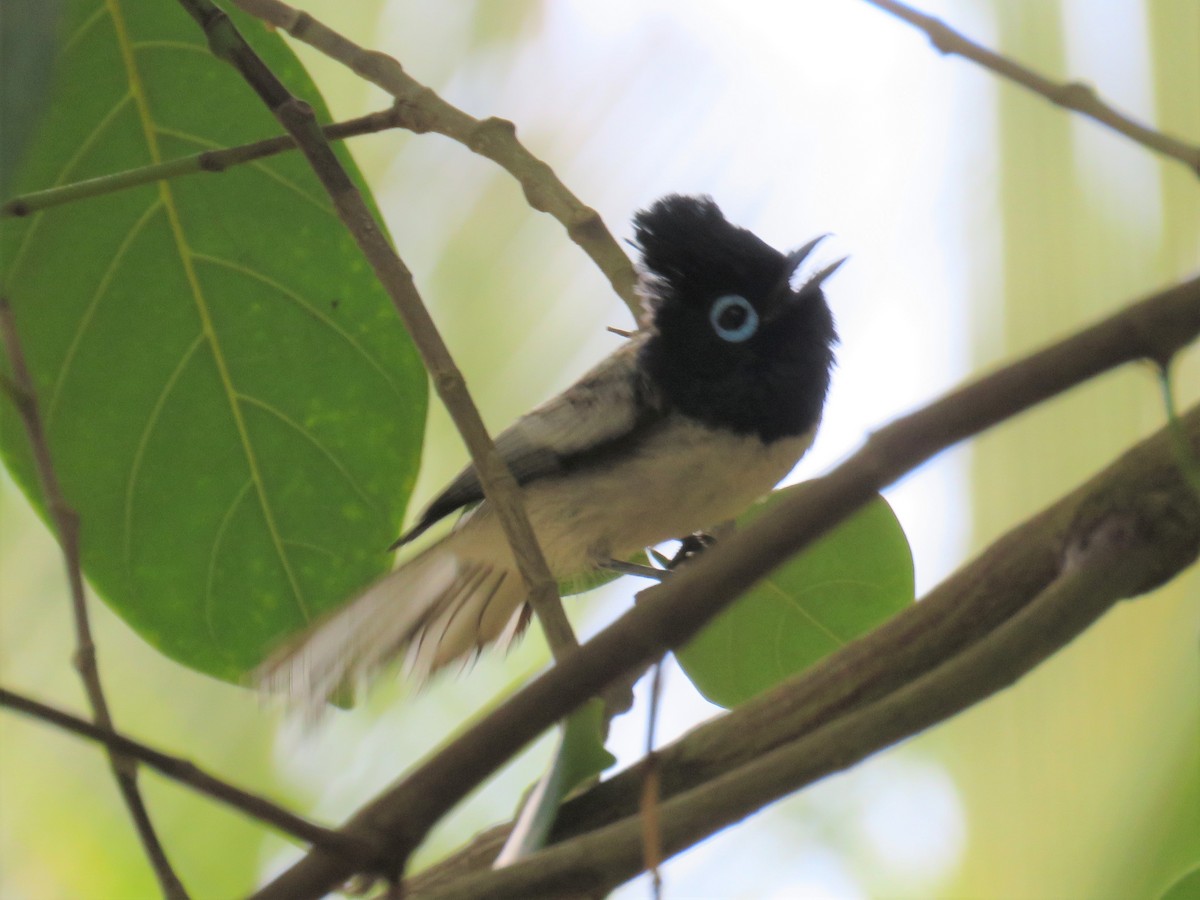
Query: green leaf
point(579, 756)
point(232, 406)
point(855, 577)
point(1187, 887)
point(27, 41)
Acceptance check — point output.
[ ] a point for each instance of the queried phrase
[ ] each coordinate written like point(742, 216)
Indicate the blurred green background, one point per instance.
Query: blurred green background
point(981, 223)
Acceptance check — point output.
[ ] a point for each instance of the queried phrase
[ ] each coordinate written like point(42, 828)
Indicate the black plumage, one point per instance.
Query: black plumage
point(772, 384)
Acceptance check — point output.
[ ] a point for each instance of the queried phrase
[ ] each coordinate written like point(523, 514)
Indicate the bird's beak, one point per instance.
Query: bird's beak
point(793, 261)
point(798, 256)
point(816, 280)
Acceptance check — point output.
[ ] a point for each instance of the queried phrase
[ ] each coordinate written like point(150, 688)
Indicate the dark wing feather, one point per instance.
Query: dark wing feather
point(595, 415)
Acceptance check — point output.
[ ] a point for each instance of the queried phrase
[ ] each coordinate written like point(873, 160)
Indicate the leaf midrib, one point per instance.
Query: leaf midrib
point(167, 197)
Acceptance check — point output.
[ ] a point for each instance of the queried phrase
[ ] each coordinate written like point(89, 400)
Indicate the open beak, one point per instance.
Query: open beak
point(799, 255)
point(793, 261)
point(816, 280)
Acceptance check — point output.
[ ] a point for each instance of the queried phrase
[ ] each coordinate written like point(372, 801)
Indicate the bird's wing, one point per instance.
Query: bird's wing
point(594, 416)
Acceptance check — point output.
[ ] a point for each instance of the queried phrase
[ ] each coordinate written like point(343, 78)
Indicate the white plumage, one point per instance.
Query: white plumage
point(672, 477)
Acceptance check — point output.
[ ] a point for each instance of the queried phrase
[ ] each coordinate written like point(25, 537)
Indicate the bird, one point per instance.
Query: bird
point(702, 411)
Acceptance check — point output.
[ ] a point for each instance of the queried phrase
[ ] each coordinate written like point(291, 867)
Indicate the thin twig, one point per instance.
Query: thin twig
point(1073, 95)
point(66, 524)
point(493, 138)
point(499, 486)
point(671, 613)
point(193, 776)
point(207, 161)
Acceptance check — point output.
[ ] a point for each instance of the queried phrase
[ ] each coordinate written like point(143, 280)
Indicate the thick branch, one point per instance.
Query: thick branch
point(494, 138)
point(964, 611)
point(673, 612)
point(1118, 555)
point(498, 484)
point(1074, 95)
point(193, 776)
point(66, 524)
point(208, 161)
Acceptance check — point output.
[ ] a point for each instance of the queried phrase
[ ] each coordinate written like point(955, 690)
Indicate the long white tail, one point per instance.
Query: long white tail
point(435, 609)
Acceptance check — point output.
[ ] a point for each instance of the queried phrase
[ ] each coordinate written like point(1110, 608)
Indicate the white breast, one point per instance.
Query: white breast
point(682, 478)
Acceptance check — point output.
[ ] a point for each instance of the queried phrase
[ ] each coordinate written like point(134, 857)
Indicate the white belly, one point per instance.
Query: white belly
point(683, 478)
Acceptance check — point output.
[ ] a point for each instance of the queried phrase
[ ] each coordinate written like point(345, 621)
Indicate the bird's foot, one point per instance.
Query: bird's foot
point(690, 547)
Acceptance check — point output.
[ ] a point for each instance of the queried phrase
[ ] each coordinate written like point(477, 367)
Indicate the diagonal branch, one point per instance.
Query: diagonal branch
point(193, 776)
point(1073, 95)
point(671, 613)
point(963, 612)
point(66, 524)
point(208, 161)
point(1118, 556)
point(499, 486)
point(493, 138)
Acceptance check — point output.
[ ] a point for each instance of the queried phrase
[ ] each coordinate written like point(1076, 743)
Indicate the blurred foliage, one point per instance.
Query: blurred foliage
point(1082, 781)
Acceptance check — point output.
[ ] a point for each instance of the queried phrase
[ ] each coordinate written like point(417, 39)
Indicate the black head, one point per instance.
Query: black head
point(732, 343)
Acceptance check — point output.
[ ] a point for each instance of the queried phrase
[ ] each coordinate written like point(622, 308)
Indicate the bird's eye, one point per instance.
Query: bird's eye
point(733, 318)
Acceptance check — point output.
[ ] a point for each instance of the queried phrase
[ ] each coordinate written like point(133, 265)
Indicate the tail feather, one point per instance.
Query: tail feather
point(430, 612)
point(496, 597)
point(432, 648)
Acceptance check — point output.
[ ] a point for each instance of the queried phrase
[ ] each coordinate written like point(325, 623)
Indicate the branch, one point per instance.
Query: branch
point(208, 161)
point(1073, 95)
point(66, 524)
point(966, 611)
point(499, 486)
point(1118, 556)
point(193, 776)
point(671, 613)
point(494, 138)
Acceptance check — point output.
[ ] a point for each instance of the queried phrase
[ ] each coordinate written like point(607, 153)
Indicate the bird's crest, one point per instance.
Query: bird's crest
point(689, 249)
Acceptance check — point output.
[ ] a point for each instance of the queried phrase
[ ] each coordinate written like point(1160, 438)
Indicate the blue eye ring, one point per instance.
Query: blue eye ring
point(726, 321)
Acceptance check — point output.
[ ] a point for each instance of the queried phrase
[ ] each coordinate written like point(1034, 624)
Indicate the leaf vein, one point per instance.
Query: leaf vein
point(84, 27)
point(144, 440)
point(85, 320)
point(85, 146)
point(309, 307)
point(208, 328)
point(804, 613)
point(218, 538)
point(287, 420)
